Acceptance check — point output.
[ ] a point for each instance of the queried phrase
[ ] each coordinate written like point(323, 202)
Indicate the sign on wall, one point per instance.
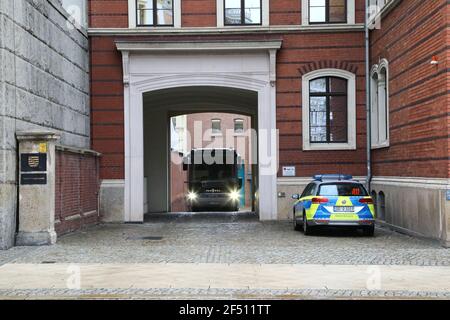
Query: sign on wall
point(36, 163)
point(289, 171)
point(33, 162)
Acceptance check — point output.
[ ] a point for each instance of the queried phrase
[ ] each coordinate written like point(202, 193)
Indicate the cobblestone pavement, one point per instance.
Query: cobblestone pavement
point(235, 240)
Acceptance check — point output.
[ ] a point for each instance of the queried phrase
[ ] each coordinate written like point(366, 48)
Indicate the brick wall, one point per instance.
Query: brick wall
point(107, 106)
point(302, 52)
point(199, 13)
point(409, 36)
point(77, 187)
point(108, 13)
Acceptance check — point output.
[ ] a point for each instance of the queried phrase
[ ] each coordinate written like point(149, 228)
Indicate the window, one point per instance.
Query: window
point(377, 5)
point(327, 11)
point(342, 190)
point(216, 126)
point(154, 13)
point(242, 12)
point(319, 12)
point(380, 105)
point(329, 110)
point(310, 190)
point(238, 126)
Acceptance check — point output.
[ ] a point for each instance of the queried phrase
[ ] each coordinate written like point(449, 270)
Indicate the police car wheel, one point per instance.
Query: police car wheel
point(297, 227)
point(306, 228)
point(369, 231)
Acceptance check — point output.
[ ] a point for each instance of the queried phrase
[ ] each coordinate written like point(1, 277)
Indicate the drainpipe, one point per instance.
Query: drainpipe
point(368, 114)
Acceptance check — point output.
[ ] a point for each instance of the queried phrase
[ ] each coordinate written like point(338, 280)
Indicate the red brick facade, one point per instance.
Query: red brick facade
point(77, 188)
point(108, 13)
point(410, 35)
point(300, 52)
point(198, 13)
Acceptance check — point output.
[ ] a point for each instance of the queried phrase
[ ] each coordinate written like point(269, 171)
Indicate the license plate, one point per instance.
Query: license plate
point(344, 209)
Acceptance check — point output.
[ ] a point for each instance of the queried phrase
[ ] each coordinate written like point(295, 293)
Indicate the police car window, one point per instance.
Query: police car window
point(307, 191)
point(342, 189)
point(312, 191)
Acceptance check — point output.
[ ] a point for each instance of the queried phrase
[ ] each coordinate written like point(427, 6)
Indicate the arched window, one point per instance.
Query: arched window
point(329, 110)
point(380, 105)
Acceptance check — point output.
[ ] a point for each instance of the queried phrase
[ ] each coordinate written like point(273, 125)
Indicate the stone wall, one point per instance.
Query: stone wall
point(416, 206)
point(44, 85)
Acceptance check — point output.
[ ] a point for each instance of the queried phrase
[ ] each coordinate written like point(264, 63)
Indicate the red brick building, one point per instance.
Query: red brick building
point(297, 66)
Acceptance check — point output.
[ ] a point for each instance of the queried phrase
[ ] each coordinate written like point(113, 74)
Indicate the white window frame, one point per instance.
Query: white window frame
point(234, 126)
point(265, 7)
point(350, 14)
point(351, 110)
point(176, 18)
point(213, 132)
point(379, 111)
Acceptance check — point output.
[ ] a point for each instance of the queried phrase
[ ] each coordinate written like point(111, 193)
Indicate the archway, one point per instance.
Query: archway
point(148, 71)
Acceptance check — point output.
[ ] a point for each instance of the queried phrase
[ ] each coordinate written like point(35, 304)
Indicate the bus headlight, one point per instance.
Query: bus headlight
point(192, 196)
point(234, 195)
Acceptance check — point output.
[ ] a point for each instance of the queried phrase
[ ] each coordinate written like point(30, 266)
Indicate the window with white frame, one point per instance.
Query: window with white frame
point(238, 126)
point(154, 13)
point(319, 12)
point(329, 110)
point(242, 13)
point(216, 126)
point(327, 11)
point(379, 106)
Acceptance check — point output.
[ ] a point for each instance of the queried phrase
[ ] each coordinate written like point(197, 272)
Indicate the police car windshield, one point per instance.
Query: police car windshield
point(342, 189)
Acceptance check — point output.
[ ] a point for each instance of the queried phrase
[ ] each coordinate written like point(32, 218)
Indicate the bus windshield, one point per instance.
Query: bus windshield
point(202, 172)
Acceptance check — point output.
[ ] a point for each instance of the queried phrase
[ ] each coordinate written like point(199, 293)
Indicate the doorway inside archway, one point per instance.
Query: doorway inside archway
point(180, 120)
point(199, 184)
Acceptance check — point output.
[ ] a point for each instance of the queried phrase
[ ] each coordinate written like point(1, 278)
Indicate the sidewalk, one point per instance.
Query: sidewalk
point(332, 280)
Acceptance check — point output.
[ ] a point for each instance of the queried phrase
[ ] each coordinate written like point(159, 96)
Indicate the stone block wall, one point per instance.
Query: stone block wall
point(44, 85)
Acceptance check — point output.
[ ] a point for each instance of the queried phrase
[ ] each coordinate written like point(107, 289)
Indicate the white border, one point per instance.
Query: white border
point(350, 13)
point(132, 15)
point(351, 111)
point(265, 14)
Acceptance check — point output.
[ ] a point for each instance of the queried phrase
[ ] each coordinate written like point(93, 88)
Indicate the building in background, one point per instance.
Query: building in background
point(218, 130)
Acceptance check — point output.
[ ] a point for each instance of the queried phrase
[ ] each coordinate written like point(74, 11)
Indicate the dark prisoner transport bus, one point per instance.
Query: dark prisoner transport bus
point(213, 181)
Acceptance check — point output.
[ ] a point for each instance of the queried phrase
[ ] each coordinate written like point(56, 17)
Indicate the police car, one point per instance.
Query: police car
point(334, 200)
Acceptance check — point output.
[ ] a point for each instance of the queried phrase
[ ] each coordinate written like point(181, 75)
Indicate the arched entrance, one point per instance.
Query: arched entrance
point(192, 105)
point(153, 67)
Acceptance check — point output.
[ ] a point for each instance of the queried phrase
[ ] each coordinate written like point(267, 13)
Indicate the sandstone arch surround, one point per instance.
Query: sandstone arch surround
point(149, 66)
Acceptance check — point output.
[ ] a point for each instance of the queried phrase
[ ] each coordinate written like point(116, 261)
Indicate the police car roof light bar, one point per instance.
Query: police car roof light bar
point(322, 177)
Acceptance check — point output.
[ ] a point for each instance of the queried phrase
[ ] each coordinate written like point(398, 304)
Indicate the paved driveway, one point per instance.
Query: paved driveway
point(230, 246)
